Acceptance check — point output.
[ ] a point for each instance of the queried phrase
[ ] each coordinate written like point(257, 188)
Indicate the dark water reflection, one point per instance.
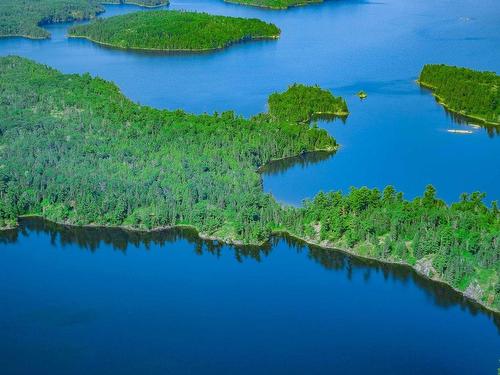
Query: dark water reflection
point(109, 301)
point(466, 123)
point(169, 302)
point(463, 122)
point(304, 160)
point(92, 239)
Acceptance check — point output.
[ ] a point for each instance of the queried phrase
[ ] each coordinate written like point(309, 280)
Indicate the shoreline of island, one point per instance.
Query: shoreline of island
point(98, 12)
point(441, 101)
point(302, 4)
point(319, 114)
point(25, 36)
point(327, 245)
point(334, 216)
point(137, 4)
point(172, 31)
point(179, 50)
point(331, 150)
point(324, 245)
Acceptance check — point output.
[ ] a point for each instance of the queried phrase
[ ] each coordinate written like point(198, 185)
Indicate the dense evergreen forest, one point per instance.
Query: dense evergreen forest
point(74, 150)
point(25, 17)
point(458, 244)
point(144, 3)
point(275, 4)
point(303, 103)
point(174, 31)
point(467, 92)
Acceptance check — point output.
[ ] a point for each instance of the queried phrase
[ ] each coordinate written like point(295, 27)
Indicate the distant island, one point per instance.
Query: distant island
point(173, 31)
point(274, 4)
point(300, 103)
point(468, 92)
point(25, 18)
point(142, 3)
point(74, 150)
point(362, 95)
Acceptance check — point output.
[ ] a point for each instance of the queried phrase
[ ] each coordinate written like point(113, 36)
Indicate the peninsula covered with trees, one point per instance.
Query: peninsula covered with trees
point(26, 18)
point(74, 150)
point(302, 103)
point(470, 93)
point(174, 31)
point(274, 4)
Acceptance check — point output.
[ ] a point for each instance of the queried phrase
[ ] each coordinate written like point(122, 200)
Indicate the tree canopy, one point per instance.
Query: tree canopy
point(26, 17)
point(174, 31)
point(302, 103)
point(465, 91)
point(458, 244)
point(144, 3)
point(274, 4)
point(74, 150)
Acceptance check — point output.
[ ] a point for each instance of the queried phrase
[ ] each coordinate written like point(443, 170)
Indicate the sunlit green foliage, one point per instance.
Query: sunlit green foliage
point(362, 94)
point(303, 103)
point(145, 3)
point(275, 4)
point(74, 149)
point(465, 91)
point(174, 30)
point(25, 17)
point(461, 241)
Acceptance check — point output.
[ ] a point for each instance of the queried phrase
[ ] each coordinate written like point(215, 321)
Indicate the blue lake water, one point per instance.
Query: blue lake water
point(75, 302)
point(80, 301)
point(397, 136)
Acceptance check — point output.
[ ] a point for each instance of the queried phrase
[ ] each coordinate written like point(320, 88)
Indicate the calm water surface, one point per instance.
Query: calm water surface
point(397, 136)
point(108, 301)
point(80, 301)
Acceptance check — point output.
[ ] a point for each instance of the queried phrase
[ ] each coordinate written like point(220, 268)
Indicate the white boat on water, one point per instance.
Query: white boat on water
point(459, 131)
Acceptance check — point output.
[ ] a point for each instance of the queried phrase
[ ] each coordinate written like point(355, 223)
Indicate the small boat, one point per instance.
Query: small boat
point(459, 131)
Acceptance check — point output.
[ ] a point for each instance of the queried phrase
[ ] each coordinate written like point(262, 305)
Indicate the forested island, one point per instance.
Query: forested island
point(74, 150)
point(274, 4)
point(25, 18)
point(300, 103)
point(142, 3)
point(174, 31)
point(362, 94)
point(468, 92)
